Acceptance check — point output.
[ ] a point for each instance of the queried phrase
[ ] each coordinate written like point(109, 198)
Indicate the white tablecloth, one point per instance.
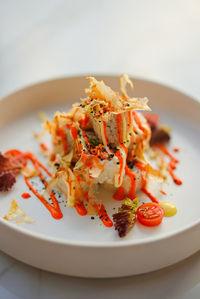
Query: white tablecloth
point(157, 40)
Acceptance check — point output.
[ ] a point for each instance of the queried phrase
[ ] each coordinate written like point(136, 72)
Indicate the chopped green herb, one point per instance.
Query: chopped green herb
point(94, 141)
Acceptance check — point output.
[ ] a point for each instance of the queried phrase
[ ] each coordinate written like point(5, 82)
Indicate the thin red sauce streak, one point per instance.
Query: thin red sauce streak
point(105, 133)
point(137, 120)
point(130, 173)
point(176, 150)
point(119, 194)
point(54, 209)
point(117, 154)
point(132, 177)
point(120, 132)
point(104, 217)
point(84, 121)
point(101, 212)
point(163, 192)
point(53, 157)
point(37, 163)
point(25, 195)
point(171, 165)
point(142, 167)
point(70, 188)
point(74, 132)
point(44, 147)
point(80, 208)
point(151, 196)
point(62, 134)
point(119, 127)
point(129, 118)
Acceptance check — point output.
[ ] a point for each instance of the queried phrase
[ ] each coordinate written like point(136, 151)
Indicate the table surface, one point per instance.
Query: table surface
point(157, 40)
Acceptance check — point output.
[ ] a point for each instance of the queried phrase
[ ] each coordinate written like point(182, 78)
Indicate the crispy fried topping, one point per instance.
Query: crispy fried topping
point(124, 80)
point(101, 98)
point(17, 214)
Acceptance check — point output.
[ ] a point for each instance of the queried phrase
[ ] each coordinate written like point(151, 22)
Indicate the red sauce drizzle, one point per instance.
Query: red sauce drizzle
point(25, 195)
point(142, 167)
point(70, 188)
point(171, 165)
point(176, 150)
point(101, 212)
point(62, 134)
point(54, 209)
point(129, 118)
point(163, 192)
point(120, 133)
point(37, 163)
point(136, 117)
point(104, 217)
point(176, 180)
point(117, 154)
point(44, 147)
point(105, 133)
point(53, 157)
point(80, 208)
point(119, 127)
point(132, 177)
point(119, 194)
point(84, 121)
point(74, 132)
point(130, 173)
point(152, 197)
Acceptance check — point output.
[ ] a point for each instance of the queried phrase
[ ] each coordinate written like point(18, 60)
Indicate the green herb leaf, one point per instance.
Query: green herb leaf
point(94, 141)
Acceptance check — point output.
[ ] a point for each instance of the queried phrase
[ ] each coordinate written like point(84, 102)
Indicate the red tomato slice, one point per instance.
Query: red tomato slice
point(150, 214)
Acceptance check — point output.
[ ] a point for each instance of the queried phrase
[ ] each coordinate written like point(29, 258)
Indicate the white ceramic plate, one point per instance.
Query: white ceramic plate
point(81, 246)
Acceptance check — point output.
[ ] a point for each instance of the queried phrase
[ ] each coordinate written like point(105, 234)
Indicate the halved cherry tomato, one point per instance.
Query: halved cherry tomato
point(150, 214)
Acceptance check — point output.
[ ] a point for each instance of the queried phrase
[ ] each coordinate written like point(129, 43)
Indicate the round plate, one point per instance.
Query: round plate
point(82, 246)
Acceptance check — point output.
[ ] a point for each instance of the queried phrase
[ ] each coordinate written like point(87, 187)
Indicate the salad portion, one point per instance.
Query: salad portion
point(104, 141)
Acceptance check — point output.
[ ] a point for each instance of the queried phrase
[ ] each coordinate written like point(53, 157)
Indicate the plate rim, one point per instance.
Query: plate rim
point(86, 244)
point(115, 244)
point(98, 74)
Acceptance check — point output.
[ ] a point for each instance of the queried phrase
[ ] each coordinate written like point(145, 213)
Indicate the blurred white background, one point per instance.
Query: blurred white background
point(154, 39)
